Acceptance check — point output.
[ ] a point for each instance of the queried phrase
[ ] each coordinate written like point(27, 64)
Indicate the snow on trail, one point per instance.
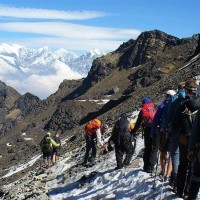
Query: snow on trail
point(17, 168)
point(102, 181)
point(20, 167)
point(108, 183)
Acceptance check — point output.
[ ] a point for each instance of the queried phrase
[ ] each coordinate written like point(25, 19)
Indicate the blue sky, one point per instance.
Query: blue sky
point(82, 25)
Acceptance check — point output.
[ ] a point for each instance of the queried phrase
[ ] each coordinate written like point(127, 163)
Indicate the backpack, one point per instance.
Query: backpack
point(45, 145)
point(176, 115)
point(189, 111)
point(148, 112)
point(121, 132)
point(92, 126)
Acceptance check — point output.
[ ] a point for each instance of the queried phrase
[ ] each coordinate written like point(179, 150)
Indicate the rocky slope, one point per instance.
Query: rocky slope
point(149, 65)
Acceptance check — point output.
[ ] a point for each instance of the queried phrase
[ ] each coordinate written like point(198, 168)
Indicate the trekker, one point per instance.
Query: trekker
point(194, 155)
point(161, 137)
point(93, 135)
point(169, 126)
point(122, 139)
point(144, 119)
point(56, 150)
point(47, 145)
point(186, 114)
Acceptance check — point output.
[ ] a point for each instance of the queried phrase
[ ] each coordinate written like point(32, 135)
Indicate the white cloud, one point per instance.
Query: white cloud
point(69, 30)
point(69, 36)
point(32, 13)
point(55, 35)
point(67, 43)
point(61, 34)
point(42, 85)
point(5, 68)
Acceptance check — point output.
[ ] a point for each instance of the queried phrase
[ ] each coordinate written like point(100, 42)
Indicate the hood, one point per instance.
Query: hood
point(146, 100)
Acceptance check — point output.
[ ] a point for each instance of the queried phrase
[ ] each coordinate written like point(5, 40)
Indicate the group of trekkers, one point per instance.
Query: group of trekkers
point(171, 133)
point(50, 149)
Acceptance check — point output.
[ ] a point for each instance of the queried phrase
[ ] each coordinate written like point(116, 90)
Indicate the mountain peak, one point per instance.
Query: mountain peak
point(96, 52)
point(10, 49)
point(157, 34)
point(42, 64)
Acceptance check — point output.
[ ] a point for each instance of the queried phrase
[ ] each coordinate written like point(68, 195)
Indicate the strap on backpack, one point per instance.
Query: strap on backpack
point(142, 132)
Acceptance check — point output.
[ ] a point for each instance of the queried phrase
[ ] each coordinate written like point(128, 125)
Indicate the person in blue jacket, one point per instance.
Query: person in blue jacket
point(160, 137)
point(168, 126)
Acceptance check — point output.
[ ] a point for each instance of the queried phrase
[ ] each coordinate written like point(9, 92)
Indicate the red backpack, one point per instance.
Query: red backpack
point(148, 112)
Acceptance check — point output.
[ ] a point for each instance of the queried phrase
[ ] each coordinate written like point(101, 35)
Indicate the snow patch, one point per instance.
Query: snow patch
point(8, 145)
point(20, 167)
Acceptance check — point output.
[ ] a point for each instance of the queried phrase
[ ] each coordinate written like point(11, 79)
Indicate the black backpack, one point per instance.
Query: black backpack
point(177, 108)
point(121, 132)
point(46, 146)
point(189, 112)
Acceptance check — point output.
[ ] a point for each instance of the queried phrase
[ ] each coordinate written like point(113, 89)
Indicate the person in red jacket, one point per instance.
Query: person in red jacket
point(145, 119)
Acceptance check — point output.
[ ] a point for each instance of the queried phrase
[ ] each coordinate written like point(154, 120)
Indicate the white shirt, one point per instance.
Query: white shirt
point(99, 139)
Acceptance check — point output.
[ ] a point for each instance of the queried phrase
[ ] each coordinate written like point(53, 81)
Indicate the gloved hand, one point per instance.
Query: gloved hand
point(105, 147)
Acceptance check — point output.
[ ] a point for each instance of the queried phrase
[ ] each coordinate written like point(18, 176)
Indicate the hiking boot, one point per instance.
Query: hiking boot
point(148, 171)
point(116, 168)
point(179, 194)
point(186, 195)
point(167, 179)
point(174, 186)
point(175, 189)
point(84, 164)
point(161, 176)
point(127, 165)
point(91, 164)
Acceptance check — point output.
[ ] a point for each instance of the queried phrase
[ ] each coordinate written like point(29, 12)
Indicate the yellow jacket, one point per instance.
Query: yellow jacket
point(53, 143)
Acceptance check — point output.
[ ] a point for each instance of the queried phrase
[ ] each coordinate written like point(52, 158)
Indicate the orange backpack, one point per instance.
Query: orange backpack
point(92, 126)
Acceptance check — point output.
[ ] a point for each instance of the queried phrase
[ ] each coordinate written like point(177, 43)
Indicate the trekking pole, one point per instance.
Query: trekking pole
point(166, 165)
point(154, 182)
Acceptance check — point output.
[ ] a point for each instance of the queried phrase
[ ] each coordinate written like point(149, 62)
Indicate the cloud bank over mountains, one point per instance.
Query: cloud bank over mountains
point(40, 71)
point(34, 27)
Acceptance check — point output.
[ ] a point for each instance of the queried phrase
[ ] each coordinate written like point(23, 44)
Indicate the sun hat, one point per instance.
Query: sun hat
point(171, 92)
point(48, 134)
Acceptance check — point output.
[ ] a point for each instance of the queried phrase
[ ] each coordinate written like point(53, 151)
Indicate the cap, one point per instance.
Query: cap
point(171, 92)
point(181, 85)
point(48, 133)
point(146, 100)
point(191, 85)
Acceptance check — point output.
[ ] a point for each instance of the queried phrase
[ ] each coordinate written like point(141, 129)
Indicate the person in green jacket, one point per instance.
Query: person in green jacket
point(47, 145)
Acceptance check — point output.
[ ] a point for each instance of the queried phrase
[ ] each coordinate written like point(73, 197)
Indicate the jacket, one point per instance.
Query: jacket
point(195, 133)
point(159, 117)
point(47, 144)
point(169, 114)
point(140, 119)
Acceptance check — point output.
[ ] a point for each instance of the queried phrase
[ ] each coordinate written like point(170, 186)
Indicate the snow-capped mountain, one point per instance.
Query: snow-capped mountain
point(25, 69)
point(82, 64)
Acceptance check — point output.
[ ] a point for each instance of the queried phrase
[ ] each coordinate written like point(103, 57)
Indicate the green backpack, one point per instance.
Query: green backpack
point(46, 145)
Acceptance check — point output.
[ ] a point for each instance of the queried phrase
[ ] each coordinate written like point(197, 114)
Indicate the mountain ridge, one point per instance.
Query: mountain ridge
point(161, 67)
